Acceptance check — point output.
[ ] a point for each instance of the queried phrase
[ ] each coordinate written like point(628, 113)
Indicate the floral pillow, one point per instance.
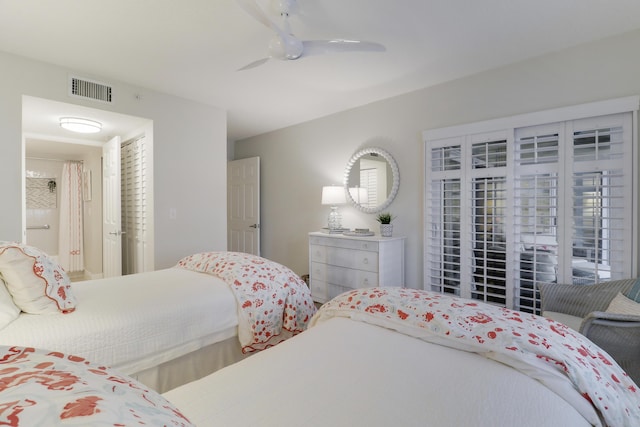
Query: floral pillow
point(37, 284)
point(8, 310)
point(42, 388)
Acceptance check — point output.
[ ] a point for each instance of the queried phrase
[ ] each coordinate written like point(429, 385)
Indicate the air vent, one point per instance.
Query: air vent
point(90, 89)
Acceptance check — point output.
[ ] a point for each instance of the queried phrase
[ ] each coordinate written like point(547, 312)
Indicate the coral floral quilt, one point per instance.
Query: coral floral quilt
point(42, 388)
point(273, 302)
point(550, 352)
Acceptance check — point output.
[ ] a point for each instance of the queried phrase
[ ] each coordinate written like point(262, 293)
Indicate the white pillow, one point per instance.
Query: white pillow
point(36, 283)
point(623, 305)
point(566, 319)
point(8, 310)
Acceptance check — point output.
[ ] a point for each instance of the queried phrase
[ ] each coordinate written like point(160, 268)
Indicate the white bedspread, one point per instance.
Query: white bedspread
point(347, 373)
point(169, 320)
point(564, 361)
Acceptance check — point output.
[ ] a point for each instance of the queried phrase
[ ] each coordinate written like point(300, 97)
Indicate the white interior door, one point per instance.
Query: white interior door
point(243, 201)
point(111, 213)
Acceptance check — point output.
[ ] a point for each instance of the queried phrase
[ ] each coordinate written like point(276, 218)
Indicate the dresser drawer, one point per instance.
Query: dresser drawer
point(337, 242)
point(349, 258)
point(319, 290)
point(340, 263)
point(319, 271)
point(350, 278)
point(335, 290)
point(318, 253)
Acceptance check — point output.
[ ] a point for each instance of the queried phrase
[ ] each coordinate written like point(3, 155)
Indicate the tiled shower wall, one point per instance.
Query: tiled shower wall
point(42, 205)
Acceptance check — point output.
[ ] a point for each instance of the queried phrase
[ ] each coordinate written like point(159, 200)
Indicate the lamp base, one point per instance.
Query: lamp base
point(335, 219)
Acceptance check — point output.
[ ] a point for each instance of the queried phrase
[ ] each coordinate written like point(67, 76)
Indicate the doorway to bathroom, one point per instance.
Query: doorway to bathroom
point(46, 150)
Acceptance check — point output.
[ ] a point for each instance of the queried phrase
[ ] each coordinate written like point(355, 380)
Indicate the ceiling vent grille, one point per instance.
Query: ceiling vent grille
point(90, 89)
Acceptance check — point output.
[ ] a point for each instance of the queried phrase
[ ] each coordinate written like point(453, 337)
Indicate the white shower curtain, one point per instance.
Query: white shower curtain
point(70, 248)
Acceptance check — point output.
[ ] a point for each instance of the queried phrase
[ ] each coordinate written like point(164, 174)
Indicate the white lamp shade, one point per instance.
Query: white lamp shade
point(333, 195)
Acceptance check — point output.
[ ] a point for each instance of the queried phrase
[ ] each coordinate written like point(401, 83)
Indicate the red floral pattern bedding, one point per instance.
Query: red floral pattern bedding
point(273, 302)
point(42, 388)
point(550, 352)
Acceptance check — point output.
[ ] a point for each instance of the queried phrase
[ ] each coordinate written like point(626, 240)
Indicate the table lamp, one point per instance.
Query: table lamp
point(334, 195)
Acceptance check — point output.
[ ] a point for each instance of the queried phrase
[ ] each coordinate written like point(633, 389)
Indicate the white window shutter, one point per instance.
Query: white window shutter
point(546, 203)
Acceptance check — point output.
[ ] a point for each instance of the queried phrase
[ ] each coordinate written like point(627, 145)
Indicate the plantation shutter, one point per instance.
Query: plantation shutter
point(600, 167)
point(443, 218)
point(487, 215)
point(369, 180)
point(548, 203)
point(537, 189)
point(465, 207)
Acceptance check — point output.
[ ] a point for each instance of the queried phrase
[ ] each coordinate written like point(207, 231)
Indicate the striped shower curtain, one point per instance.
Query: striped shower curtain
point(70, 248)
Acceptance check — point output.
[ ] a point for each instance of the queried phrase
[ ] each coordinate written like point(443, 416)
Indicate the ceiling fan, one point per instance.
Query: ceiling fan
point(285, 46)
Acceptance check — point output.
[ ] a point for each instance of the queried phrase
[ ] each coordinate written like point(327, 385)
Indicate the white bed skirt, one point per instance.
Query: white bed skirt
point(191, 366)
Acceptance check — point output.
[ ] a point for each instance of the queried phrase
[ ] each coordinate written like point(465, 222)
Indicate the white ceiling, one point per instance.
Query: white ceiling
point(193, 48)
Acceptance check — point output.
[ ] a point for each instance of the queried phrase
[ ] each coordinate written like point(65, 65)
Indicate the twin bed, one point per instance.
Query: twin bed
point(381, 356)
point(163, 328)
point(389, 356)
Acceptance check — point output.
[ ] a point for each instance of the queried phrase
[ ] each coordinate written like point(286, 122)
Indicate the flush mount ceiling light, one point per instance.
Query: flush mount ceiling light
point(76, 124)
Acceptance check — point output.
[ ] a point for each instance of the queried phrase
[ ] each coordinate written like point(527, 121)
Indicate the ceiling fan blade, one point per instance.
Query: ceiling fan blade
point(317, 47)
point(254, 64)
point(252, 8)
point(285, 46)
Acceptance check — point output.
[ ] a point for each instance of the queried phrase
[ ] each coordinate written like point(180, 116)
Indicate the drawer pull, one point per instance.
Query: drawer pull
point(365, 261)
point(366, 282)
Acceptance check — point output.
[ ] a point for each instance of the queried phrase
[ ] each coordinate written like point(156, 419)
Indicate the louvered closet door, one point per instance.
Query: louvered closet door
point(133, 205)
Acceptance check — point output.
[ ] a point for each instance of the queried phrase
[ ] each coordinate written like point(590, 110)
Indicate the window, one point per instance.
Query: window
point(544, 203)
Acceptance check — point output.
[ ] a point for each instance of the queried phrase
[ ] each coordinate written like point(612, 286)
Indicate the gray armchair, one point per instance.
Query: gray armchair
point(617, 334)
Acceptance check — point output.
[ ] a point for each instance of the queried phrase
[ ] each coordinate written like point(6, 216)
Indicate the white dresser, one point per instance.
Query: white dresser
point(338, 263)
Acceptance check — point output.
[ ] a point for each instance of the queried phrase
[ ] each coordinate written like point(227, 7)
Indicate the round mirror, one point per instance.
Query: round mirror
point(371, 179)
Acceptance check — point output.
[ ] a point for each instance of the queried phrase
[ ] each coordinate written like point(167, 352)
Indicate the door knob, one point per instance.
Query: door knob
point(254, 226)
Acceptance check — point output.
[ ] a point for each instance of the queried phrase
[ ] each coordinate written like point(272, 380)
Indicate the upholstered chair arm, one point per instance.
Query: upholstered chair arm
point(580, 300)
point(615, 320)
point(618, 335)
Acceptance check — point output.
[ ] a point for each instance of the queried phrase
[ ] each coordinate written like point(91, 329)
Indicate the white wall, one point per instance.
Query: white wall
point(297, 161)
point(190, 155)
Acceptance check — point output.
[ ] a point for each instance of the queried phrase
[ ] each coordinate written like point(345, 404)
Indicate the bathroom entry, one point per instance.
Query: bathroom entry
point(46, 142)
point(54, 209)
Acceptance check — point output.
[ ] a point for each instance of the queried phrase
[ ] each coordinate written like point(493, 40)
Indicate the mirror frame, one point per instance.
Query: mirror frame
point(394, 170)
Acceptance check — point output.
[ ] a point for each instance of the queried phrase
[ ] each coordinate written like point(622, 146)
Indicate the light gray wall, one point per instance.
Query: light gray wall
point(190, 156)
point(297, 161)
